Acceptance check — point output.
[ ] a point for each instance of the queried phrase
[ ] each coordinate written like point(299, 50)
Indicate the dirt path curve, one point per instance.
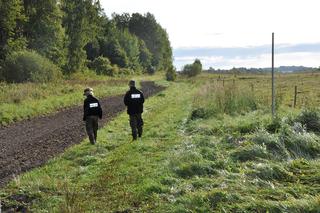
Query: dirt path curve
point(31, 143)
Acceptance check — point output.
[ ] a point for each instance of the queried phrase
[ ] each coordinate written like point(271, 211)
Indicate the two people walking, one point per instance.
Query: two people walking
point(92, 111)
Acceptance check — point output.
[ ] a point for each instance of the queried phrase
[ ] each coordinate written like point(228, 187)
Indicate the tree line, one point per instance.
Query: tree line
point(70, 36)
point(282, 69)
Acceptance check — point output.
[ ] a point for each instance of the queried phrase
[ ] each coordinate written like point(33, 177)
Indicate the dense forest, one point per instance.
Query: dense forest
point(42, 39)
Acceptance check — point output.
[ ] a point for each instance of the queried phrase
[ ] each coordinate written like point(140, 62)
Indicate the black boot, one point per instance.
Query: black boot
point(92, 139)
point(134, 135)
point(140, 132)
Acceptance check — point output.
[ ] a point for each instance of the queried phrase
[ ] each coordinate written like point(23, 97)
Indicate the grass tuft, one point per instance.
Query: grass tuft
point(250, 152)
point(310, 119)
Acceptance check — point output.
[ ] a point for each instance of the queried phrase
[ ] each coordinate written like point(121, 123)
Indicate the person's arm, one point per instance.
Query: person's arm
point(125, 100)
point(100, 110)
point(84, 110)
point(142, 98)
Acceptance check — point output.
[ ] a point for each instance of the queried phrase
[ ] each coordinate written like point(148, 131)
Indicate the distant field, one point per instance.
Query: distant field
point(210, 145)
point(308, 86)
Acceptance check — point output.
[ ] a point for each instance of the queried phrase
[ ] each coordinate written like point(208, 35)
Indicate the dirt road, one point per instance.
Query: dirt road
point(31, 143)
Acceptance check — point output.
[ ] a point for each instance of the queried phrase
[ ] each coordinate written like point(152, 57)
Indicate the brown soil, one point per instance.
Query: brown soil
point(31, 143)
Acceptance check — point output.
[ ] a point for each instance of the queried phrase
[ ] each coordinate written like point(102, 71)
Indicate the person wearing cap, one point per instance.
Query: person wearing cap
point(92, 111)
point(134, 100)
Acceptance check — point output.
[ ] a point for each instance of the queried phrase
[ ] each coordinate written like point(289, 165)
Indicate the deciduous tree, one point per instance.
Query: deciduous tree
point(12, 19)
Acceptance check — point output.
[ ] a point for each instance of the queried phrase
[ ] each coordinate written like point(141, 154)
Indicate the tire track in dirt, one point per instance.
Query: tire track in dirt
point(31, 143)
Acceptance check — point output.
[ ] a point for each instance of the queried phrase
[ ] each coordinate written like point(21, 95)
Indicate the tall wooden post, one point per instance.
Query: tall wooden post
point(273, 88)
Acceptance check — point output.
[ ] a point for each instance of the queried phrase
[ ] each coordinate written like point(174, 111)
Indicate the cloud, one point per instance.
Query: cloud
point(255, 56)
point(206, 60)
point(229, 23)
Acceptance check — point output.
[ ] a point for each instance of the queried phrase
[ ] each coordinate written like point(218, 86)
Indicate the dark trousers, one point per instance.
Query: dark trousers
point(136, 124)
point(92, 128)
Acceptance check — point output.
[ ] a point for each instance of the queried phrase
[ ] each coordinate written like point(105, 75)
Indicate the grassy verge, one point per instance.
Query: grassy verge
point(197, 155)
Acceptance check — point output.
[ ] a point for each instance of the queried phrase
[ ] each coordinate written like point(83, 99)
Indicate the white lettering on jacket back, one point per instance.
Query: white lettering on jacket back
point(134, 96)
point(93, 105)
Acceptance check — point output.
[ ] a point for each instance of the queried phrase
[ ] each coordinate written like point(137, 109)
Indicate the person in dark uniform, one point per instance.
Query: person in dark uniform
point(134, 100)
point(92, 111)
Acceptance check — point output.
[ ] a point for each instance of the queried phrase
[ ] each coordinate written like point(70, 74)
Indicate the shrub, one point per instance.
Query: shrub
point(115, 69)
point(102, 66)
point(274, 125)
point(300, 143)
point(272, 143)
point(29, 66)
point(126, 71)
point(310, 119)
point(171, 74)
point(85, 75)
point(193, 69)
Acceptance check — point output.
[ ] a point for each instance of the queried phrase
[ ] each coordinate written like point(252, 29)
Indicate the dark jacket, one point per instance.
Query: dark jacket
point(91, 106)
point(134, 100)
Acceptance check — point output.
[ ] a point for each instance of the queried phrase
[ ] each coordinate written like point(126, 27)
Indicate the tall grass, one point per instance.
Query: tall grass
point(216, 98)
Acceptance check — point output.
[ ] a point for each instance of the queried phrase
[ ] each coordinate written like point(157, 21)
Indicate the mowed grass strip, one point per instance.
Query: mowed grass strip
point(116, 174)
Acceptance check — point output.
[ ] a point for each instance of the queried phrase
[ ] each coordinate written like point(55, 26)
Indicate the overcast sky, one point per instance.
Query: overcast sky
point(235, 33)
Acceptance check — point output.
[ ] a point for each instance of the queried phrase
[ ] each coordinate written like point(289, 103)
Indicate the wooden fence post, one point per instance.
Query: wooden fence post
point(295, 96)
